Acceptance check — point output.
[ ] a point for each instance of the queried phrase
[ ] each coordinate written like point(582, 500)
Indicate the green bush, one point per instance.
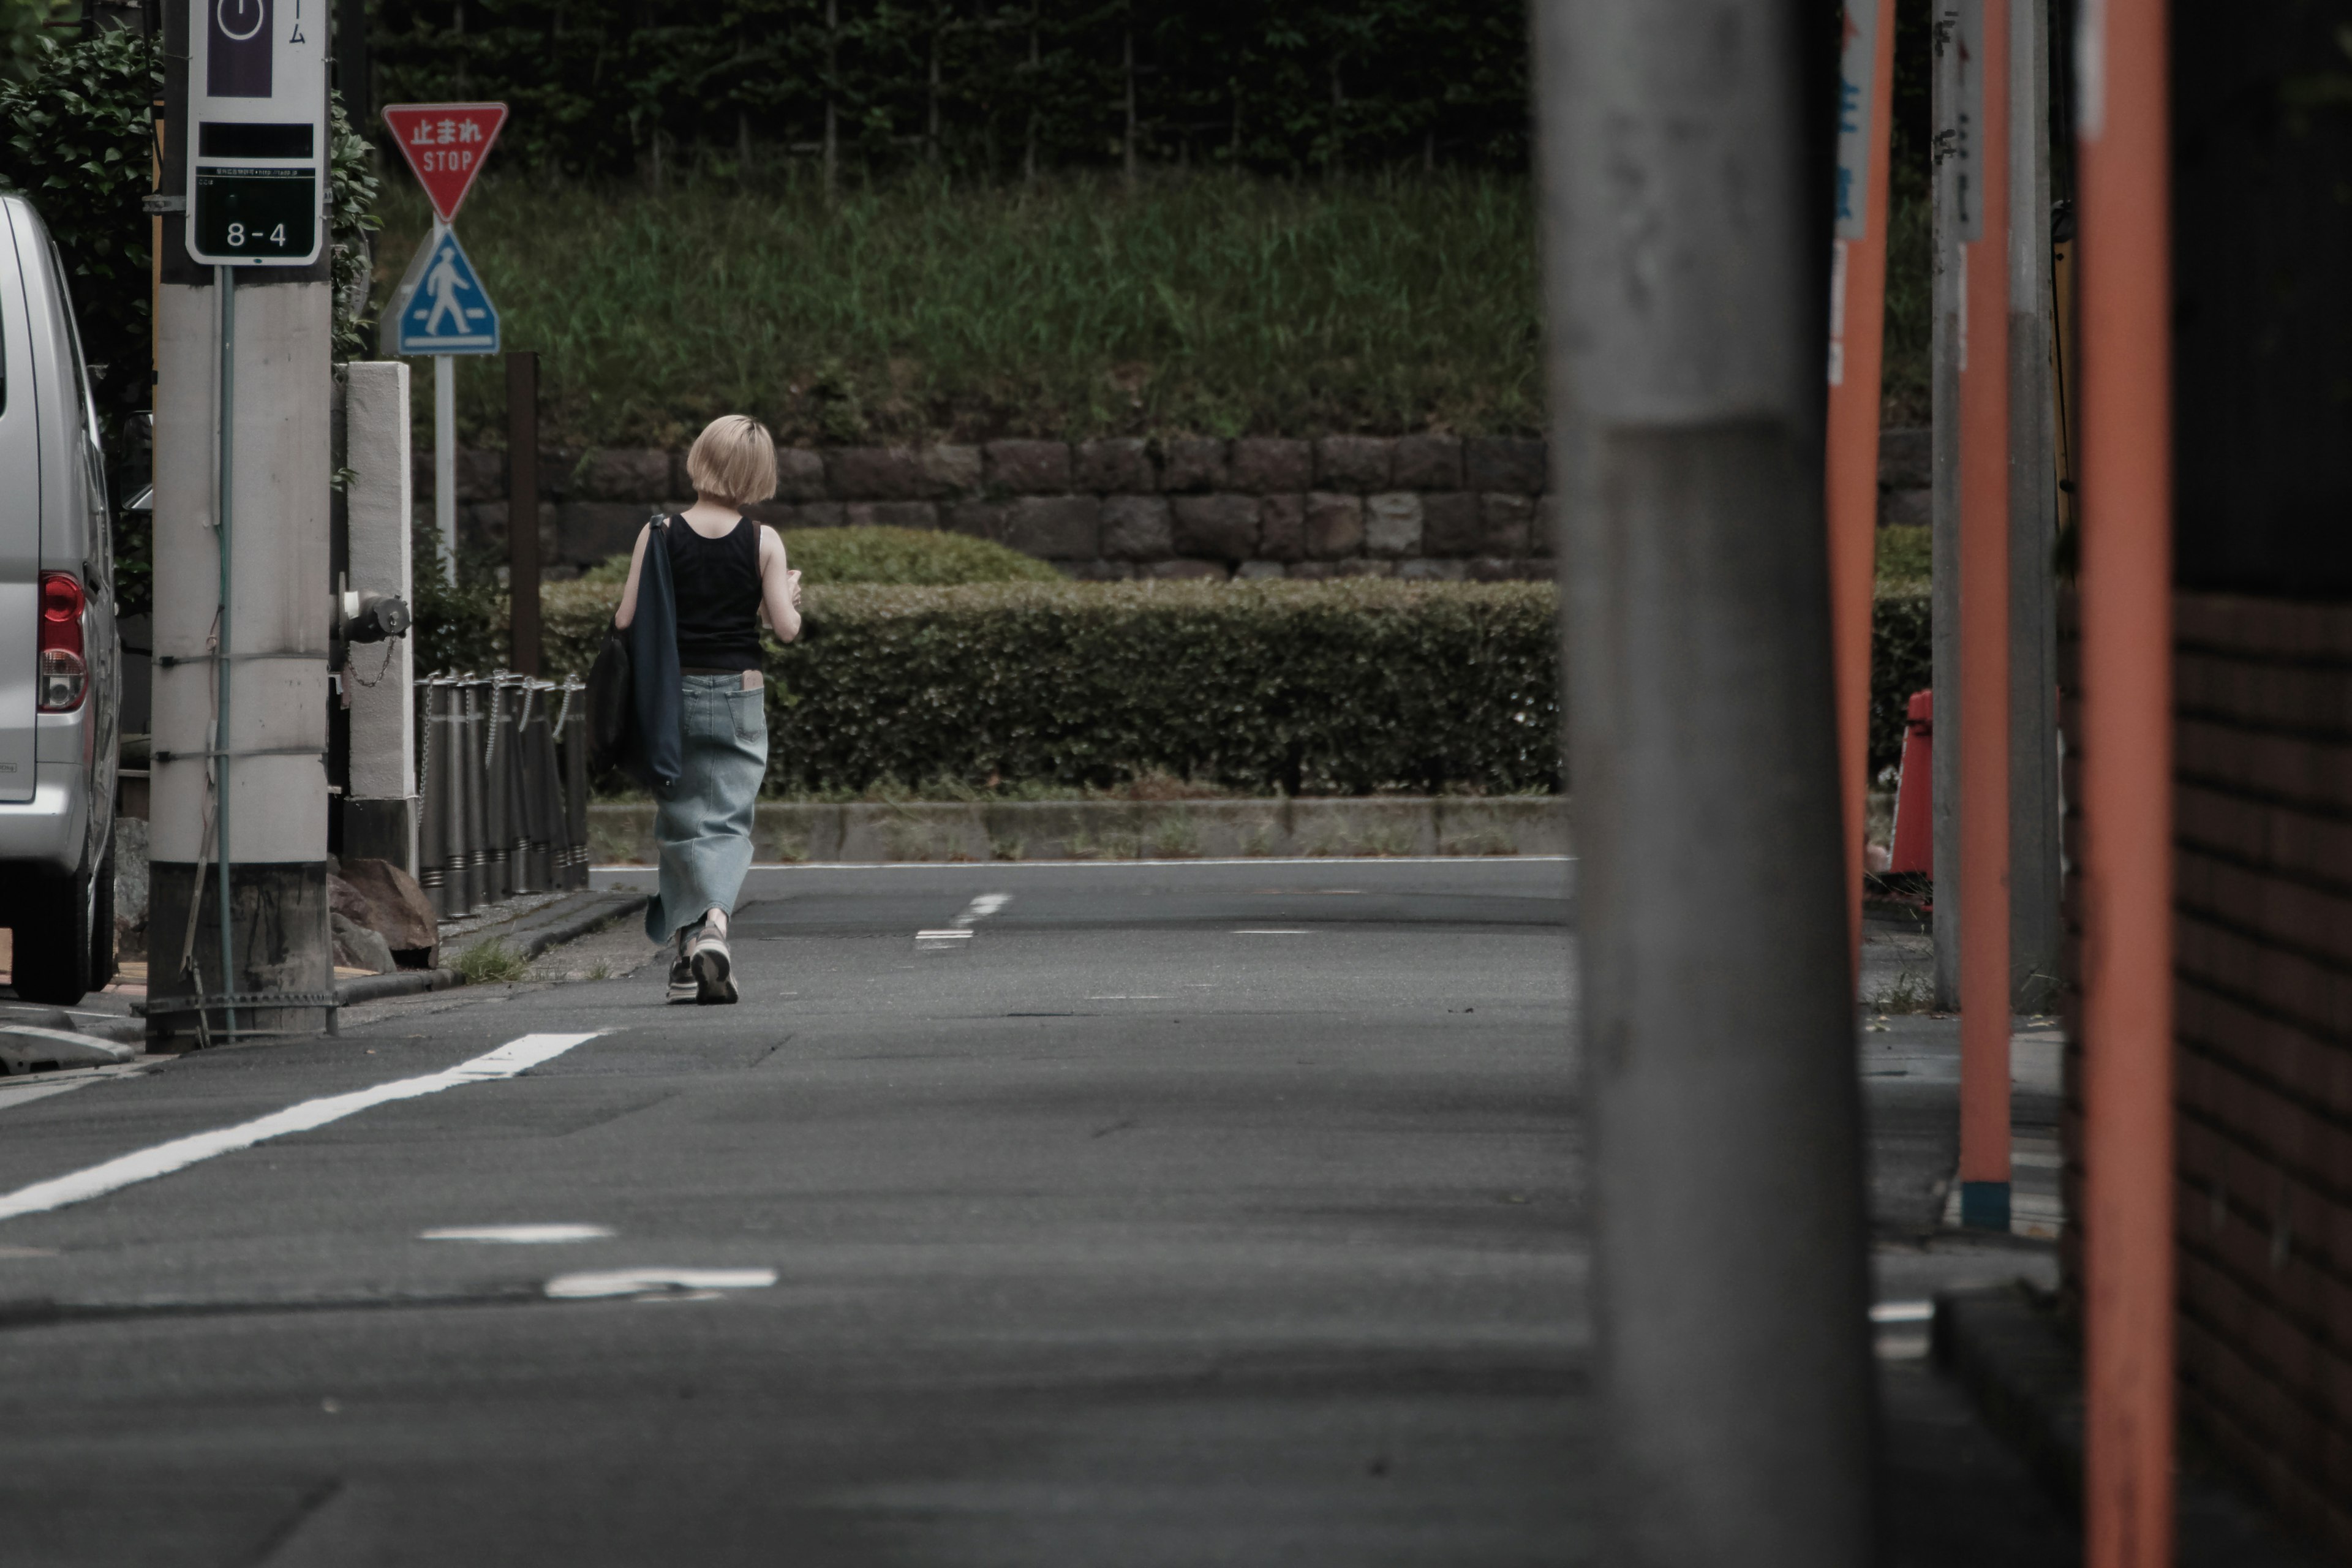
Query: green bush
point(1308, 688)
point(896, 557)
point(1900, 664)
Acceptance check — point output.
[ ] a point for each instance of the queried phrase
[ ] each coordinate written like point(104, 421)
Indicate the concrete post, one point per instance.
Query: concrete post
point(380, 813)
point(2036, 934)
point(275, 808)
point(1685, 159)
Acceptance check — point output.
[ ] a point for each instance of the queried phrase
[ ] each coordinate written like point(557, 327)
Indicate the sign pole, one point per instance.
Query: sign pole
point(445, 462)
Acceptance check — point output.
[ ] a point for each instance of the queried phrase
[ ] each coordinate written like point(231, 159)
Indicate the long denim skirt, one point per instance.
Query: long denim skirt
point(703, 821)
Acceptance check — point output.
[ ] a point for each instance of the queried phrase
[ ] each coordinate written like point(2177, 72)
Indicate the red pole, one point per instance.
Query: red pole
point(1857, 336)
point(1984, 635)
point(2125, 286)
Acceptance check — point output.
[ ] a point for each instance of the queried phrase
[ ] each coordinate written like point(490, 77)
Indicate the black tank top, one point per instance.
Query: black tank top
point(716, 584)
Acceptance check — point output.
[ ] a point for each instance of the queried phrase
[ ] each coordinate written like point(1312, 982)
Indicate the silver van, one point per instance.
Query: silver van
point(59, 662)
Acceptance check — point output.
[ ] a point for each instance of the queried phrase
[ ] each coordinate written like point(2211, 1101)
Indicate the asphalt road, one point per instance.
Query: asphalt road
point(1176, 1214)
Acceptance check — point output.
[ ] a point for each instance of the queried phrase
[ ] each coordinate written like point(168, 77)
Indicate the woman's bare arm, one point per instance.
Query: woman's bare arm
point(779, 586)
point(628, 610)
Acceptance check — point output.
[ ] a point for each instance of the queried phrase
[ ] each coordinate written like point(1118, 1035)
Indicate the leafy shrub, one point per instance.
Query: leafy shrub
point(899, 557)
point(1347, 688)
point(1904, 556)
point(1901, 663)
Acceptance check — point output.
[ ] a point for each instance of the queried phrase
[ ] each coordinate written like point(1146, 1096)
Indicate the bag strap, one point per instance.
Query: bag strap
point(659, 523)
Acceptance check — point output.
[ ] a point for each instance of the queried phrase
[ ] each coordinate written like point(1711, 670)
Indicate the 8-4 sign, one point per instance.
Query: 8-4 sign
point(257, 146)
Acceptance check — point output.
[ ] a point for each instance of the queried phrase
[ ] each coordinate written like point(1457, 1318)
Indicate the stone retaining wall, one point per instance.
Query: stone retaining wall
point(1410, 506)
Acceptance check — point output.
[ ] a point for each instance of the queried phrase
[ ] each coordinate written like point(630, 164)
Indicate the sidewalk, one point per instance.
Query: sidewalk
point(1972, 1350)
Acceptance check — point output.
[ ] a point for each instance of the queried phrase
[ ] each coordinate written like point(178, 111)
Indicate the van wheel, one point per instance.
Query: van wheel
point(53, 960)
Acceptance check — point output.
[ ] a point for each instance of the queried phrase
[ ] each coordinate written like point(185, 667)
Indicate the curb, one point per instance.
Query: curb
point(871, 832)
point(533, 934)
point(22, 1045)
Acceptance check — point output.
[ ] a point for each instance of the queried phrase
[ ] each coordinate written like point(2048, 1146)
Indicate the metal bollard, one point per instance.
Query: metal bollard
point(497, 755)
point(433, 765)
point(472, 806)
point(573, 725)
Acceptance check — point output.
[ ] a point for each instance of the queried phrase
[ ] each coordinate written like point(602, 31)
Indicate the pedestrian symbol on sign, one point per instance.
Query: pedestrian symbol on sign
point(440, 305)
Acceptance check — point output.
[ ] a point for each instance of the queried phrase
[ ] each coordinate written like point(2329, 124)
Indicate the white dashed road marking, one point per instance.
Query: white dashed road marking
point(515, 1057)
point(1267, 931)
point(945, 937)
point(518, 1235)
point(701, 1282)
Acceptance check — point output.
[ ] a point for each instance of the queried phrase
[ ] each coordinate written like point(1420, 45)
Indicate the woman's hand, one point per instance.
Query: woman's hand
point(793, 585)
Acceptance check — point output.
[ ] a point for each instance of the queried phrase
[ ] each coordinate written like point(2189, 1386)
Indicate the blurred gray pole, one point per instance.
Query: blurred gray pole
point(2034, 935)
point(1686, 238)
point(1950, 165)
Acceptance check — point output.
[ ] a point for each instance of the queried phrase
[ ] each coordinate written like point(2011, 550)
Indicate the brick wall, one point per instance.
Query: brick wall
point(2264, 1046)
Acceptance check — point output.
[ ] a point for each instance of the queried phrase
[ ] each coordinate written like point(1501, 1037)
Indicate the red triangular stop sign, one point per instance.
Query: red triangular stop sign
point(444, 144)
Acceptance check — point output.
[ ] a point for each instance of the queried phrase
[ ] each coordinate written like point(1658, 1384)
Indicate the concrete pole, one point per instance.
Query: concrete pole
point(1944, 353)
point(445, 462)
point(2127, 772)
point(1685, 214)
point(379, 813)
point(274, 808)
point(2036, 934)
point(1858, 341)
point(1983, 708)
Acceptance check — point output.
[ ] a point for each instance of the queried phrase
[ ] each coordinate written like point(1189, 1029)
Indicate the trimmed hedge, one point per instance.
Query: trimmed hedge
point(903, 557)
point(1308, 688)
point(1346, 687)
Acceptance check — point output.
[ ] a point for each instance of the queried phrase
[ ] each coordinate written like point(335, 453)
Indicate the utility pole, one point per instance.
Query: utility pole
point(1684, 176)
point(1944, 351)
point(2035, 932)
point(242, 595)
point(1985, 588)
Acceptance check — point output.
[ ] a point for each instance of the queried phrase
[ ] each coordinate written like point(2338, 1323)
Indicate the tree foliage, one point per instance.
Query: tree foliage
point(606, 87)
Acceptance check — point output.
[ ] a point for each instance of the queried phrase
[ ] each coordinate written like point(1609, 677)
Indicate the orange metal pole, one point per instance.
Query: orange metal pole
point(2125, 288)
point(1984, 641)
point(1857, 338)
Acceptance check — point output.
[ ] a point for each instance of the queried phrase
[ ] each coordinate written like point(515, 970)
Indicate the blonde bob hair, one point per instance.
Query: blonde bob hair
point(733, 460)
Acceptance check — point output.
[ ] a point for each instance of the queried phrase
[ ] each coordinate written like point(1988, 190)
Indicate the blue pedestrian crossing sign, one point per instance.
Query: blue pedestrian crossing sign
point(440, 307)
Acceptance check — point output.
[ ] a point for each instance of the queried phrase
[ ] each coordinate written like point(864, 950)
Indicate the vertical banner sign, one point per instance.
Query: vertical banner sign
point(1967, 184)
point(1857, 63)
point(445, 145)
point(257, 131)
point(1857, 59)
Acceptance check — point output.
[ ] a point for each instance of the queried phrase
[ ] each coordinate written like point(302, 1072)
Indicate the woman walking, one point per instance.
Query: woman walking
point(725, 569)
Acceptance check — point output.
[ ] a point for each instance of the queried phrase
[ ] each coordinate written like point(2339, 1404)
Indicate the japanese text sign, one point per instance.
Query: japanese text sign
point(444, 144)
point(257, 150)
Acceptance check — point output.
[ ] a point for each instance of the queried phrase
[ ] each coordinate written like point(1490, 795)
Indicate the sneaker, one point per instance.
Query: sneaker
point(682, 987)
point(713, 967)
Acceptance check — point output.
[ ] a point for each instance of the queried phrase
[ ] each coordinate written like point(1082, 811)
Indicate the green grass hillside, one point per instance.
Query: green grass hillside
point(1211, 304)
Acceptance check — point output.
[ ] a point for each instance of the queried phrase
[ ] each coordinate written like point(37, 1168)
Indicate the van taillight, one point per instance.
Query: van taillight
point(64, 678)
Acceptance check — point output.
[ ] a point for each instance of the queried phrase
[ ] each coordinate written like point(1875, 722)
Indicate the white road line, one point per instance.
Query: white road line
point(1284, 930)
point(657, 1281)
point(1903, 1312)
point(514, 1057)
point(981, 908)
point(518, 1235)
